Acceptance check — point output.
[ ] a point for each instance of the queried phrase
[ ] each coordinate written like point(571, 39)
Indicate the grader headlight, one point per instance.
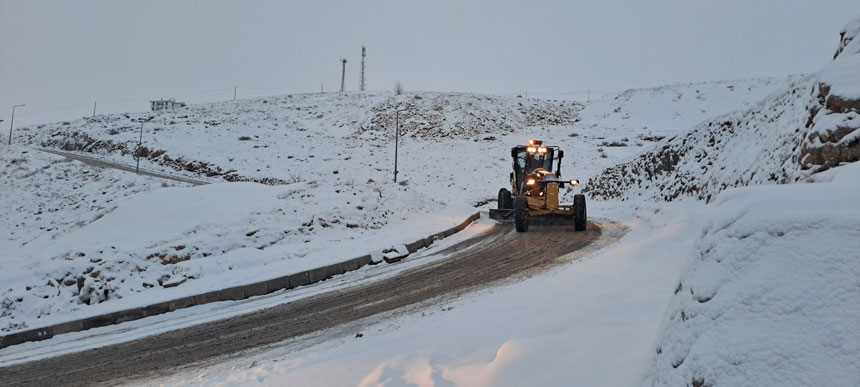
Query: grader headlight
point(531, 149)
point(530, 182)
point(574, 182)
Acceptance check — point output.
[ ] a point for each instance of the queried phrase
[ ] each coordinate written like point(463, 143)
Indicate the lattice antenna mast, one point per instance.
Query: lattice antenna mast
point(343, 76)
point(361, 78)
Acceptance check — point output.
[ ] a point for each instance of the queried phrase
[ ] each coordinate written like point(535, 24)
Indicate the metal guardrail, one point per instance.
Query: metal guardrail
point(128, 168)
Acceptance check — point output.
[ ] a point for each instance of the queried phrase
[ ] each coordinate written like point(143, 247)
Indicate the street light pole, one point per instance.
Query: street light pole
point(12, 122)
point(140, 142)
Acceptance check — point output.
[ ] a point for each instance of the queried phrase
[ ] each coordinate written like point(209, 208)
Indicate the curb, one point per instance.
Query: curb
point(241, 292)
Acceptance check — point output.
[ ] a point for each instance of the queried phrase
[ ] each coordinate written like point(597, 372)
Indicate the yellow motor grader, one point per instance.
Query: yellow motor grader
point(534, 188)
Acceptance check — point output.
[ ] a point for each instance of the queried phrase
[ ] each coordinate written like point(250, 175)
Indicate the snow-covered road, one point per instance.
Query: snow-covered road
point(494, 254)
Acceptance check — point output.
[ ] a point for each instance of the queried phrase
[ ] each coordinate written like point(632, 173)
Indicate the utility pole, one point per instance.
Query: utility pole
point(321, 88)
point(12, 122)
point(343, 75)
point(234, 93)
point(139, 143)
point(94, 108)
point(361, 79)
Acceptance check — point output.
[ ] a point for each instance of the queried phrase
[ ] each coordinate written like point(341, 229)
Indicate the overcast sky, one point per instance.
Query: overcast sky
point(60, 56)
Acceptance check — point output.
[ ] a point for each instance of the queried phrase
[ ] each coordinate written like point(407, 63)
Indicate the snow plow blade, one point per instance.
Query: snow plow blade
point(502, 215)
point(507, 216)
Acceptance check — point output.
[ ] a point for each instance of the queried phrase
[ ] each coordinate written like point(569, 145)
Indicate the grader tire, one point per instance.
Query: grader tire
point(505, 201)
point(521, 214)
point(579, 213)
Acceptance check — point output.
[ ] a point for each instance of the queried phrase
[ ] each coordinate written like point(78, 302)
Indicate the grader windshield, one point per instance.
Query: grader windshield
point(527, 159)
point(526, 162)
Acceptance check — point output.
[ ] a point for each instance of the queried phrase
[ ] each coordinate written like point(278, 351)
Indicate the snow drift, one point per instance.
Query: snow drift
point(771, 297)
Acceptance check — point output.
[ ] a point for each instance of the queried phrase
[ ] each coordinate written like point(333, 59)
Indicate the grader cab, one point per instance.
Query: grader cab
point(535, 183)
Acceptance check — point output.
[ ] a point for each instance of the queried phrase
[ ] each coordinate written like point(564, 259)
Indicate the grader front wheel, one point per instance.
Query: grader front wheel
point(505, 201)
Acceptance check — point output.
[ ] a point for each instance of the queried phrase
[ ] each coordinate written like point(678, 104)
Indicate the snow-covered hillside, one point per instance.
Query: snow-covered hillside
point(808, 127)
point(330, 157)
point(271, 140)
point(666, 110)
point(753, 146)
point(48, 198)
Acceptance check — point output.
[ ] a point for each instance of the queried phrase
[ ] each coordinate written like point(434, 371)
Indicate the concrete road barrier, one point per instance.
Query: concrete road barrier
point(299, 279)
point(417, 245)
point(181, 303)
point(208, 297)
point(279, 283)
point(256, 289)
point(233, 293)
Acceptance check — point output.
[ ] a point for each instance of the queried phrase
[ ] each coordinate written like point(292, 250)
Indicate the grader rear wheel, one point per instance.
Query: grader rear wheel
point(579, 214)
point(521, 214)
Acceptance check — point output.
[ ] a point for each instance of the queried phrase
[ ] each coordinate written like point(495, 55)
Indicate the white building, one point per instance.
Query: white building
point(163, 104)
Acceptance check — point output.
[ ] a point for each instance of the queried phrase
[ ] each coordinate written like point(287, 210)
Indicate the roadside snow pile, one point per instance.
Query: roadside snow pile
point(773, 297)
point(782, 139)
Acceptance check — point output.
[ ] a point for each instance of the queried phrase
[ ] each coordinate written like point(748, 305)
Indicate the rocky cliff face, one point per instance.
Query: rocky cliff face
point(833, 123)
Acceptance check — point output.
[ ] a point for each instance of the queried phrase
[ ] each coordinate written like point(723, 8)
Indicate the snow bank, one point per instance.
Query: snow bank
point(771, 297)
